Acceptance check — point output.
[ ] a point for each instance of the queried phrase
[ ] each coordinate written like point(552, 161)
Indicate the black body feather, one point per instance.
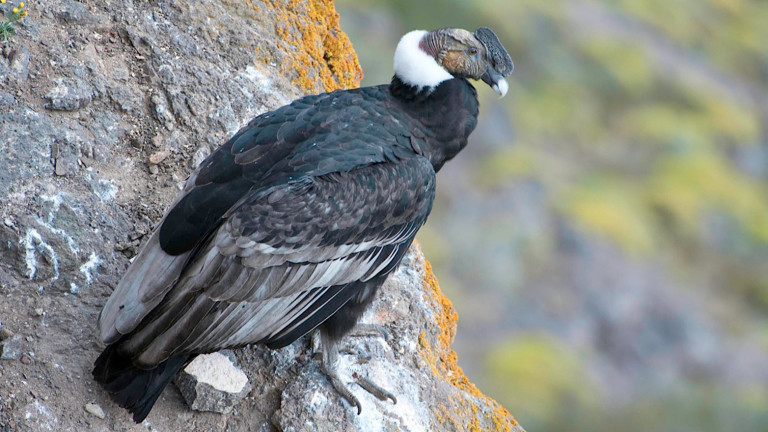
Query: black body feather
point(306, 210)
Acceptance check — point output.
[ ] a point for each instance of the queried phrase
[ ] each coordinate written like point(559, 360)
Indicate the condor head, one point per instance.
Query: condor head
point(425, 59)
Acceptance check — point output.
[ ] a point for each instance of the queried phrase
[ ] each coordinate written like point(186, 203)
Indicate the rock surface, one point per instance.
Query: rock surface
point(105, 108)
point(211, 382)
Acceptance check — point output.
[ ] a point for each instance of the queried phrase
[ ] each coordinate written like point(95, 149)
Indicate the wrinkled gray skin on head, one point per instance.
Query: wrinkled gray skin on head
point(479, 55)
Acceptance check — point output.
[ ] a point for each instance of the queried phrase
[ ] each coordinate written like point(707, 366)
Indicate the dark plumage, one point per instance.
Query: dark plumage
point(296, 221)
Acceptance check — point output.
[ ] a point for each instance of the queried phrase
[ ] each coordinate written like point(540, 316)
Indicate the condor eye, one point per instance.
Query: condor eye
point(472, 51)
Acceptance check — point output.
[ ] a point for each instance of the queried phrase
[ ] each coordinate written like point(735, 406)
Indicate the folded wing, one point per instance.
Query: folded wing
point(285, 259)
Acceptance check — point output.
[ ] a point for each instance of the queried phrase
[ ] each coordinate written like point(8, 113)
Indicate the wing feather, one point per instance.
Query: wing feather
point(286, 259)
point(152, 274)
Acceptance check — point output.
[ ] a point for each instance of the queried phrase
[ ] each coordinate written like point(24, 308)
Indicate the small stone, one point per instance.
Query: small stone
point(25, 359)
point(122, 246)
point(20, 65)
point(69, 94)
point(5, 334)
point(95, 409)
point(62, 167)
point(157, 157)
point(153, 169)
point(211, 382)
point(157, 141)
point(161, 111)
point(11, 348)
point(39, 312)
point(75, 13)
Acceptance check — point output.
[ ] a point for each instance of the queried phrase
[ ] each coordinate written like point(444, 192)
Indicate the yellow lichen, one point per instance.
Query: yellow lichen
point(308, 46)
point(320, 53)
point(443, 362)
point(446, 320)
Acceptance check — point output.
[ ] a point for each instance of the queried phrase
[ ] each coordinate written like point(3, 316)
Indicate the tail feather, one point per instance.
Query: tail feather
point(143, 286)
point(132, 388)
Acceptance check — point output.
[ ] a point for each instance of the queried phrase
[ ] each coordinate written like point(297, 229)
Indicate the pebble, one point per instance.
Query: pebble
point(62, 167)
point(157, 157)
point(157, 141)
point(11, 348)
point(95, 409)
point(69, 95)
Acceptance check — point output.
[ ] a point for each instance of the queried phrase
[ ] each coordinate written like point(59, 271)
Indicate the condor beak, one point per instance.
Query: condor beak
point(497, 82)
point(499, 62)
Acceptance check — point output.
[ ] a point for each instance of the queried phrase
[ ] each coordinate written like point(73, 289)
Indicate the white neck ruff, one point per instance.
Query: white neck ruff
point(415, 67)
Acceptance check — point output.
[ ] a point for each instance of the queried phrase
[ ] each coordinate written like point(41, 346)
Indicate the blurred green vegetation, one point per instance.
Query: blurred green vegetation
point(550, 373)
point(551, 392)
point(646, 124)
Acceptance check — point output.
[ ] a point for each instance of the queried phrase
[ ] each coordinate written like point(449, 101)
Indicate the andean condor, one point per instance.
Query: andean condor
point(295, 222)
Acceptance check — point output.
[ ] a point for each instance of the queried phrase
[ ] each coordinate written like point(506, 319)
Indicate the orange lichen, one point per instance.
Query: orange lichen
point(443, 362)
point(446, 320)
point(321, 52)
point(309, 47)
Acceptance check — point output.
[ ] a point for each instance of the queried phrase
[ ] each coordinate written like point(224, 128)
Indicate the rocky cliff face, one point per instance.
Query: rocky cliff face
point(105, 108)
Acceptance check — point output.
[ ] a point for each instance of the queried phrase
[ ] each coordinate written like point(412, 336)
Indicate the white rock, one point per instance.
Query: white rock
point(211, 382)
point(94, 409)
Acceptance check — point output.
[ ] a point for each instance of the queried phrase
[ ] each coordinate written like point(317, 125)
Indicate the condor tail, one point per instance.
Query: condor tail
point(132, 388)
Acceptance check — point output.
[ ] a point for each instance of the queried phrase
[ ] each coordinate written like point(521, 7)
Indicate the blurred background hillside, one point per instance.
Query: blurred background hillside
point(604, 237)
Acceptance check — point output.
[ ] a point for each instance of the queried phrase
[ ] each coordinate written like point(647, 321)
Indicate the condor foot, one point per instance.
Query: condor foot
point(330, 360)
